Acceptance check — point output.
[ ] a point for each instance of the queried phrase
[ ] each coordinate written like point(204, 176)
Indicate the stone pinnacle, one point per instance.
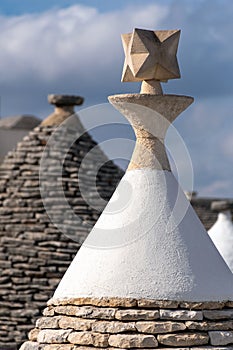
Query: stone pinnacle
point(64, 108)
point(65, 100)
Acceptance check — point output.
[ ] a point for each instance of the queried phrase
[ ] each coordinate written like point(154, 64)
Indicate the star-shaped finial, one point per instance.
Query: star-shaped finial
point(150, 55)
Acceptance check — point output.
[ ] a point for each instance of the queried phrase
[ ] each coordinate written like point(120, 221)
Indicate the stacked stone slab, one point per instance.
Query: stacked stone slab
point(34, 254)
point(147, 276)
point(115, 323)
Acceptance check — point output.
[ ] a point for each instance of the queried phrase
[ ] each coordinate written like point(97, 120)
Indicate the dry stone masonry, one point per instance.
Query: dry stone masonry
point(116, 323)
point(34, 254)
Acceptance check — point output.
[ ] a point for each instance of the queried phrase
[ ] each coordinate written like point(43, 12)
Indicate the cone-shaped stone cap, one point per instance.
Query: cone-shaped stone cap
point(221, 232)
point(65, 100)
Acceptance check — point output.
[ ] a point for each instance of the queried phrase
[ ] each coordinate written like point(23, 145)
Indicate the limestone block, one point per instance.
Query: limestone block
point(53, 336)
point(159, 327)
point(105, 302)
point(59, 347)
point(78, 324)
point(48, 322)
point(209, 305)
point(86, 312)
point(88, 338)
point(128, 341)
point(221, 337)
point(209, 326)
point(113, 327)
point(218, 314)
point(183, 339)
point(33, 334)
point(48, 311)
point(150, 303)
point(29, 345)
point(181, 315)
point(134, 315)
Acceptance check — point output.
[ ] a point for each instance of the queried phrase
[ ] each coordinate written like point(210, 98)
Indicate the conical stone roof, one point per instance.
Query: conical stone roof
point(21, 122)
point(34, 252)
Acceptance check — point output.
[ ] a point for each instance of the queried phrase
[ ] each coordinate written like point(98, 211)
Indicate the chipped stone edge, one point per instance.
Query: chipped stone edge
point(141, 303)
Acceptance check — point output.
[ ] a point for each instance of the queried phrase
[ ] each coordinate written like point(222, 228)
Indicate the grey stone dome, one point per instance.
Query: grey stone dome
point(34, 253)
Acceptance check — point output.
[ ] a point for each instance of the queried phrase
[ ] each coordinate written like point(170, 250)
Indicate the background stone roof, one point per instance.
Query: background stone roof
point(22, 122)
point(13, 129)
point(34, 254)
point(202, 206)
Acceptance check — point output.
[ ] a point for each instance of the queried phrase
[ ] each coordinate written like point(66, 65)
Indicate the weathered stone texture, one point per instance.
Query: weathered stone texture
point(150, 303)
point(182, 315)
point(218, 314)
point(134, 315)
point(48, 322)
point(132, 341)
point(78, 324)
point(88, 338)
point(86, 312)
point(209, 326)
point(31, 346)
point(105, 302)
point(59, 347)
point(184, 339)
point(34, 254)
point(221, 337)
point(113, 327)
point(77, 327)
point(159, 327)
point(209, 305)
point(53, 336)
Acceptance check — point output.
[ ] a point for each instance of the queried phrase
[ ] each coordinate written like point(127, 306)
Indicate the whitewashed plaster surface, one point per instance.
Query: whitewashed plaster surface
point(221, 234)
point(147, 245)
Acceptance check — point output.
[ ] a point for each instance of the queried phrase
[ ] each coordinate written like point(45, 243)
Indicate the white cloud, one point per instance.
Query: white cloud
point(78, 50)
point(77, 39)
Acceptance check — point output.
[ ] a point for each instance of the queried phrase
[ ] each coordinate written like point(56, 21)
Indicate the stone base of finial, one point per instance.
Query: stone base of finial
point(125, 323)
point(59, 116)
point(150, 113)
point(151, 87)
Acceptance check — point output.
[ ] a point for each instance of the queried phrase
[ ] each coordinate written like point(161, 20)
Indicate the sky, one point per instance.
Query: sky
point(74, 47)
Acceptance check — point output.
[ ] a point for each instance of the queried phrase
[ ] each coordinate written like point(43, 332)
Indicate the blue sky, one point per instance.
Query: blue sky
point(74, 47)
point(17, 7)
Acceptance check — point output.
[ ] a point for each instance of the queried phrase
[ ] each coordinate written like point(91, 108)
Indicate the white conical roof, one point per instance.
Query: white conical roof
point(148, 243)
point(221, 234)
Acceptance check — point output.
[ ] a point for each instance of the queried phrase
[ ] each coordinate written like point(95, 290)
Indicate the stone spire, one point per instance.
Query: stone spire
point(221, 232)
point(64, 108)
point(148, 242)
